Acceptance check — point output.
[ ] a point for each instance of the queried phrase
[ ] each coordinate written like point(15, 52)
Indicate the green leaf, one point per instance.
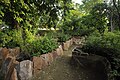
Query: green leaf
point(19, 19)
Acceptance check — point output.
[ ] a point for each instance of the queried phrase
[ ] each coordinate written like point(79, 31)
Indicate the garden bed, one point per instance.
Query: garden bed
point(25, 69)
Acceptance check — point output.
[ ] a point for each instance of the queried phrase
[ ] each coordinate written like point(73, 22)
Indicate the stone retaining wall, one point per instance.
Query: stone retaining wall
point(97, 63)
point(11, 69)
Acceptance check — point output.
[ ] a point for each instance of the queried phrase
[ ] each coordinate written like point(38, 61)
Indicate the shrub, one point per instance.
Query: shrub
point(29, 36)
point(4, 39)
point(11, 38)
point(17, 40)
point(108, 40)
point(86, 32)
point(28, 42)
point(48, 44)
point(63, 37)
point(14, 38)
point(80, 32)
point(42, 45)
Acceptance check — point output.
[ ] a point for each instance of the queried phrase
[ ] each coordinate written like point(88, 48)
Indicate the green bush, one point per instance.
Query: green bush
point(42, 45)
point(17, 40)
point(80, 32)
point(48, 44)
point(28, 42)
point(93, 39)
point(108, 40)
point(11, 38)
point(86, 32)
point(62, 37)
point(4, 39)
point(29, 36)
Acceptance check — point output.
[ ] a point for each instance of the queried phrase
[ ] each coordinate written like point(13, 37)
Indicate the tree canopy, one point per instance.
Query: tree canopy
point(42, 13)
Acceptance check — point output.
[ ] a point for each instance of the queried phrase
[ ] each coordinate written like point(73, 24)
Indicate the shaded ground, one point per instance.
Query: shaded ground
point(63, 69)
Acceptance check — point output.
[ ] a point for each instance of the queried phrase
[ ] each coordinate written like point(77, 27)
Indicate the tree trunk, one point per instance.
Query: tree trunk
point(118, 11)
point(111, 23)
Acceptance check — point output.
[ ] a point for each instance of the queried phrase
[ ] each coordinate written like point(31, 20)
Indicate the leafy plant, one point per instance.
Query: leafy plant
point(16, 39)
point(4, 39)
point(109, 40)
point(11, 38)
point(49, 44)
point(63, 37)
point(42, 45)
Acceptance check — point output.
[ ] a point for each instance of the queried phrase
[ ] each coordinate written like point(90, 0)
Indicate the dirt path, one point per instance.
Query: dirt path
point(63, 69)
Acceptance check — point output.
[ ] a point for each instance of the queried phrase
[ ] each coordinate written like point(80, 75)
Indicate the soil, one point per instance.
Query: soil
point(63, 69)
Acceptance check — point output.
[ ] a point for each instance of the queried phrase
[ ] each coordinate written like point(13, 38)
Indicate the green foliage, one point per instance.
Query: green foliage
point(42, 45)
point(112, 39)
point(80, 32)
point(49, 45)
point(88, 5)
point(74, 32)
point(17, 40)
point(62, 37)
point(109, 40)
point(4, 39)
point(11, 38)
point(113, 74)
point(86, 32)
point(72, 21)
point(40, 13)
point(29, 36)
point(97, 18)
point(94, 39)
point(30, 43)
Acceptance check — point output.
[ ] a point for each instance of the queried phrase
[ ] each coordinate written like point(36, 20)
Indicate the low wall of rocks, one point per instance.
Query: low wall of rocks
point(8, 63)
point(11, 69)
